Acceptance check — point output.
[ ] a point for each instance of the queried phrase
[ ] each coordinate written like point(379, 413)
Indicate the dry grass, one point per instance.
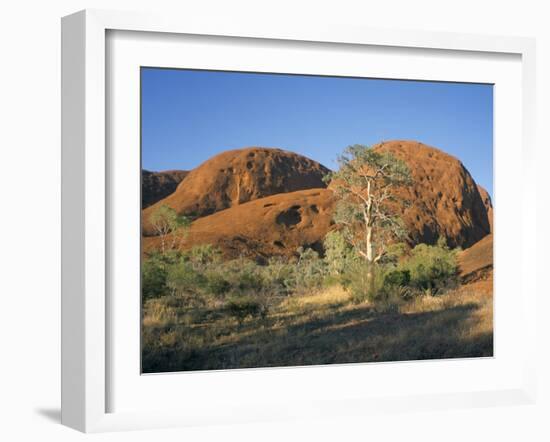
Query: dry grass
point(318, 328)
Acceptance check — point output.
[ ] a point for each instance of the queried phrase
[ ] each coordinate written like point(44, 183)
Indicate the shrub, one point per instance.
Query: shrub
point(395, 253)
point(249, 281)
point(278, 276)
point(216, 284)
point(182, 278)
point(153, 279)
point(390, 297)
point(357, 281)
point(240, 307)
point(432, 267)
point(310, 270)
point(203, 255)
point(397, 278)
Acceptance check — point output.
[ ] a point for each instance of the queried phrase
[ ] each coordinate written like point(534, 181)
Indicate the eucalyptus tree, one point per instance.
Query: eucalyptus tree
point(369, 185)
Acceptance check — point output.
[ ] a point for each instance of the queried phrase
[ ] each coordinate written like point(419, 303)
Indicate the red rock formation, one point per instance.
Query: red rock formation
point(237, 176)
point(444, 199)
point(274, 225)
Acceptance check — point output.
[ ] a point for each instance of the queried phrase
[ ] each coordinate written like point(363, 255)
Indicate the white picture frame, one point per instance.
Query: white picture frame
point(86, 353)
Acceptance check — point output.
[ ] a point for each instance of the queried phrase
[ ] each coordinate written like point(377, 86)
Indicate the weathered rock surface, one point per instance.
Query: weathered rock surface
point(253, 201)
point(238, 176)
point(272, 226)
point(444, 199)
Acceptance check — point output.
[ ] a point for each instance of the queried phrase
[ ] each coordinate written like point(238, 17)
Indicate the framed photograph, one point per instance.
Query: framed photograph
point(263, 223)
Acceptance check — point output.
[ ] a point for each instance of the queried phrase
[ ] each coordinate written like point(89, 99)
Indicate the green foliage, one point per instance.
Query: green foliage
point(182, 278)
point(153, 279)
point(249, 281)
point(200, 272)
point(357, 281)
point(166, 222)
point(278, 276)
point(203, 255)
point(427, 269)
point(338, 253)
point(165, 219)
point(432, 267)
point(216, 283)
point(358, 160)
point(365, 211)
point(397, 278)
point(394, 253)
point(309, 270)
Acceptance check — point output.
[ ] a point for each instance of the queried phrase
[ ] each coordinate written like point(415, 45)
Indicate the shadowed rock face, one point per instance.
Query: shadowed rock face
point(270, 226)
point(444, 199)
point(486, 198)
point(238, 176)
point(158, 185)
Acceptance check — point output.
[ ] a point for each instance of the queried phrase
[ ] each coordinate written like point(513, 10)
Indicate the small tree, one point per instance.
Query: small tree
point(366, 212)
point(169, 226)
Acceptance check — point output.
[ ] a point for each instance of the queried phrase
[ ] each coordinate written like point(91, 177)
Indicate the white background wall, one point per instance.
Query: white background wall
point(30, 215)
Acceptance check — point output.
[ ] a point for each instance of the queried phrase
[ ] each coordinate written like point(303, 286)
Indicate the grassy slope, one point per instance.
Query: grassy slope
point(319, 328)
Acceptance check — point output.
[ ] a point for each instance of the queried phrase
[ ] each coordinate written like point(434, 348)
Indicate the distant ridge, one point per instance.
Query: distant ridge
point(158, 185)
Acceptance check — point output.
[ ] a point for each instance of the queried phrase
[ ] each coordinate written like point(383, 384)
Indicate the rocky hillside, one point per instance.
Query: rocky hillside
point(274, 225)
point(158, 185)
point(237, 176)
point(262, 202)
point(444, 200)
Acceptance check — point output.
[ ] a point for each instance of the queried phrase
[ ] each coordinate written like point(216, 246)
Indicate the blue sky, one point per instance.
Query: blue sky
point(189, 116)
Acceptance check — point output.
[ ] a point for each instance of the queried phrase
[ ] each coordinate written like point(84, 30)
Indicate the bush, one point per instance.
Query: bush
point(310, 270)
point(216, 284)
point(203, 255)
point(399, 278)
point(395, 253)
point(240, 307)
point(432, 267)
point(389, 298)
point(278, 276)
point(182, 278)
point(357, 281)
point(153, 279)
